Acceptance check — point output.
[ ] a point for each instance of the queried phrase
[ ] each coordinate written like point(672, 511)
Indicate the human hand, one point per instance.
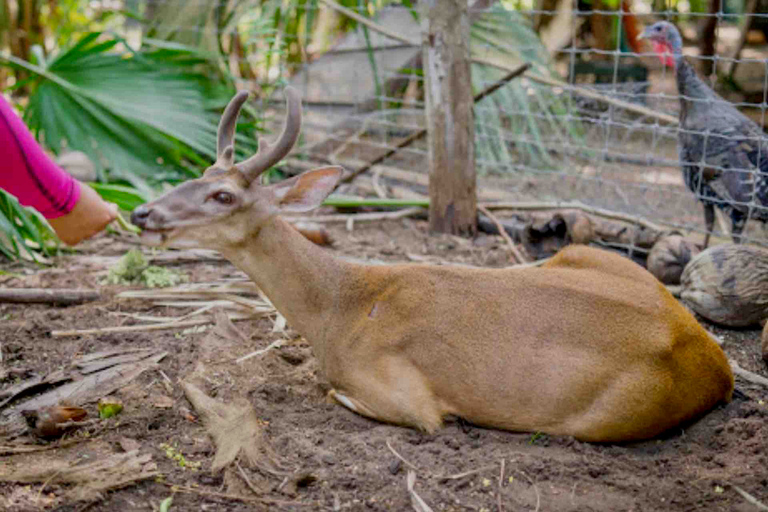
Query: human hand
point(90, 216)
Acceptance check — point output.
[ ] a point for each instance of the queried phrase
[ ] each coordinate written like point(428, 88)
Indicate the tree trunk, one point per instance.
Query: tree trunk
point(707, 36)
point(450, 117)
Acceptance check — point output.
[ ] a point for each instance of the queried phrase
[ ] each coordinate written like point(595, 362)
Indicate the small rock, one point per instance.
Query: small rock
point(395, 466)
point(669, 256)
point(128, 445)
point(765, 343)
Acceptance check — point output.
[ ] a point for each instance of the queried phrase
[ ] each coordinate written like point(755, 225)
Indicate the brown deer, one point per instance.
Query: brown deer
point(589, 344)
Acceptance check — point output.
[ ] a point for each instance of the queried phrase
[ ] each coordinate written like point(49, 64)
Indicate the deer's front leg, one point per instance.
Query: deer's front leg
point(392, 393)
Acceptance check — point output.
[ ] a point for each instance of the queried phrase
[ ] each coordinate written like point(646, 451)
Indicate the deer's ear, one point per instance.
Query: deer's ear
point(306, 191)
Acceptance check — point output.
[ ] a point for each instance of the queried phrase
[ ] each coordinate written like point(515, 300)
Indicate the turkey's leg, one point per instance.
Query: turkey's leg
point(737, 226)
point(709, 221)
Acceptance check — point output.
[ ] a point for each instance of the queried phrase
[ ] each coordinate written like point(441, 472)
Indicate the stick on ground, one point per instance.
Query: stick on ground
point(417, 503)
point(501, 483)
point(362, 217)
point(503, 232)
point(575, 205)
point(751, 499)
point(144, 328)
point(747, 375)
point(402, 459)
point(61, 296)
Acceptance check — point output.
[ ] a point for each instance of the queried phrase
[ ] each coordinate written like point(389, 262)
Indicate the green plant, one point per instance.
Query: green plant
point(173, 453)
point(132, 269)
point(517, 124)
point(24, 233)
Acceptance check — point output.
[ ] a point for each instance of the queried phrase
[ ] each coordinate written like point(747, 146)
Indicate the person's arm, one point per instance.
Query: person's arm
point(74, 210)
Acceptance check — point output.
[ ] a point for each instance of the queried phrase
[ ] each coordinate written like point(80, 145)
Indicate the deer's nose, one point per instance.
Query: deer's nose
point(140, 215)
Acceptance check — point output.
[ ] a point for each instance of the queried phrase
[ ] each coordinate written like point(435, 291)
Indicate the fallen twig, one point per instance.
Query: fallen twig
point(402, 459)
point(145, 327)
point(501, 482)
point(575, 206)
point(45, 484)
point(366, 217)
point(464, 474)
point(377, 185)
point(25, 448)
point(246, 479)
point(747, 375)
point(62, 296)
point(418, 504)
point(503, 232)
point(234, 497)
point(535, 489)
point(751, 499)
point(275, 344)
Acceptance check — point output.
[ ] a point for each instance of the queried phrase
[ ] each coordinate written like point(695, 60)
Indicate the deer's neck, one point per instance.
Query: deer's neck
point(303, 281)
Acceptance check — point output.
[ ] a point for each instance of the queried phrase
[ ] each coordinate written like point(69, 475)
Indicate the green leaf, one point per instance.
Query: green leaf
point(109, 408)
point(126, 198)
point(165, 505)
point(340, 201)
point(24, 233)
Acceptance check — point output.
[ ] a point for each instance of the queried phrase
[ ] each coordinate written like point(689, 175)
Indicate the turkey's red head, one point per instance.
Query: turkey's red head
point(665, 40)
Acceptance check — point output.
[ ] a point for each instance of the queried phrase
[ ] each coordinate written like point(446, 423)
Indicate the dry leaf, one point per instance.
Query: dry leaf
point(90, 478)
point(234, 428)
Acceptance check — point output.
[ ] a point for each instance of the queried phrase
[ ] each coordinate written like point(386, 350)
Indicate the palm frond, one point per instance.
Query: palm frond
point(518, 123)
point(141, 116)
point(126, 198)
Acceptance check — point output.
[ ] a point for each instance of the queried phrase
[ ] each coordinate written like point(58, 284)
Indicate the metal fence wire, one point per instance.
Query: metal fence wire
point(594, 120)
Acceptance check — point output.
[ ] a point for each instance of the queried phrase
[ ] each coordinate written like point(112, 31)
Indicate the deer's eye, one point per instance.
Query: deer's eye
point(223, 197)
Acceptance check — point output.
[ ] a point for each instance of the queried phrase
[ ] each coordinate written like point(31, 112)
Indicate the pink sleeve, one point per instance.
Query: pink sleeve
point(28, 173)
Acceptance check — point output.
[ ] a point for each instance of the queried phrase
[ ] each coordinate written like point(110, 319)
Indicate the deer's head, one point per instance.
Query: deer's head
point(229, 203)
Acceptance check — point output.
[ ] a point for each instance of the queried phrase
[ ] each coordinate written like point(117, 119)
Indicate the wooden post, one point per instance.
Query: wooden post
point(708, 37)
point(450, 117)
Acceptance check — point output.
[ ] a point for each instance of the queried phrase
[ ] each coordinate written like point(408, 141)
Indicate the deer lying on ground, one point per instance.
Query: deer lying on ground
point(588, 345)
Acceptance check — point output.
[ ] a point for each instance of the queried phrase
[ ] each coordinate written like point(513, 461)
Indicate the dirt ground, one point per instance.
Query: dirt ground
point(331, 459)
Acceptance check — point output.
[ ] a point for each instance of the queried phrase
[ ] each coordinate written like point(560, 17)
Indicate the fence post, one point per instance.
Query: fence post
point(450, 117)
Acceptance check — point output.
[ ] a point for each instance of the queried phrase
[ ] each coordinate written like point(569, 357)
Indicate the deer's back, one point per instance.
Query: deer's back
point(522, 348)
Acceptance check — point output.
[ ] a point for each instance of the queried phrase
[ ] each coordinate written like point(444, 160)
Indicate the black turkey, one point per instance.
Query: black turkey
point(723, 153)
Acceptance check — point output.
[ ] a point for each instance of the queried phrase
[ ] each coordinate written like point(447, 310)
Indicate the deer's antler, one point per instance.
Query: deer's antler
point(225, 144)
point(269, 154)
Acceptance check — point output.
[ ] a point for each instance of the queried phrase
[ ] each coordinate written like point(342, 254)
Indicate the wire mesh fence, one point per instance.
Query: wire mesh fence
point(607, 136)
